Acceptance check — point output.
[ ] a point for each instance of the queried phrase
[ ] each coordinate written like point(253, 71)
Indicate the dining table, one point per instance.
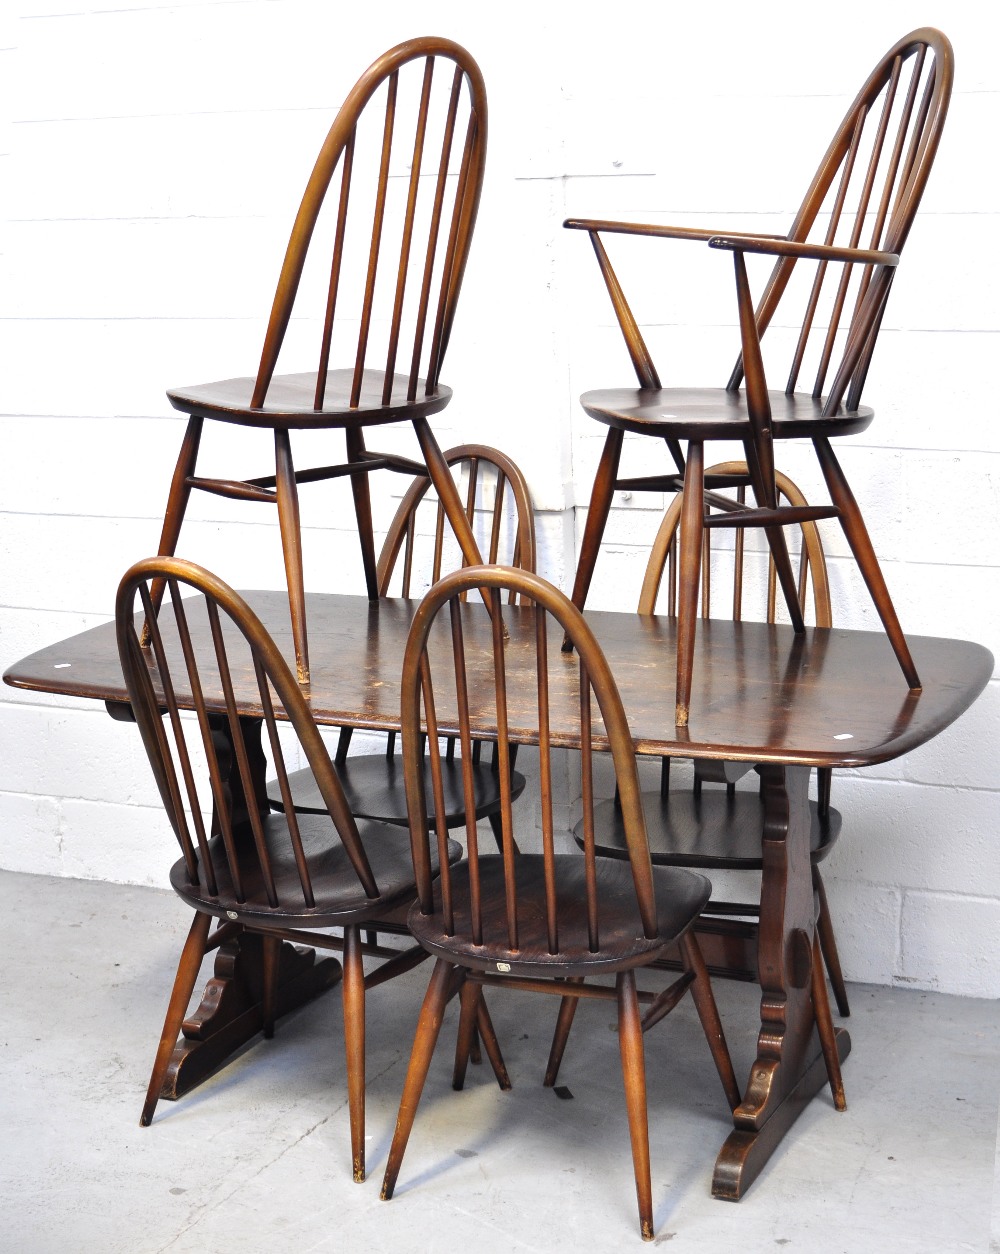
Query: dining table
point(786, 702)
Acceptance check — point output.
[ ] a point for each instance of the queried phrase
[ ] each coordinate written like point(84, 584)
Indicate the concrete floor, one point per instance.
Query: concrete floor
point(258, 1158)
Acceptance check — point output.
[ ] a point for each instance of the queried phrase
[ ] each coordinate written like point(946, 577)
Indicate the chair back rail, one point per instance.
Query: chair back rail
point(415, 232)
point(187, 678)
point(437, 700)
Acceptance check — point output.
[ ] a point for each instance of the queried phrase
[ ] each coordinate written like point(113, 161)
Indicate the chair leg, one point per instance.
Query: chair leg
point(496, 826)
point(692, 519)
point(601, 497)
point(354, 1040)
point(271, 946)
point(762, 478)
point(708, 1013)
point(447, 492)
point(567, 1012)
point(466, 1028)
point(428, 1028)
point(488, 1037)
point(828, 944)
point(824, 1025)
point(360, 487)
point(177, 501)
point(287, 494)
point(180, 995)
point(864, 554)
point(634, 1076)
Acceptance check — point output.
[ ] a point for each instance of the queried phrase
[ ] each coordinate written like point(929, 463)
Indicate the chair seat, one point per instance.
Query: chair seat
point(716, 828)
point(680, 898)
point(374, 787)
point(337, 890)
point(715, 414)
point(289, 402)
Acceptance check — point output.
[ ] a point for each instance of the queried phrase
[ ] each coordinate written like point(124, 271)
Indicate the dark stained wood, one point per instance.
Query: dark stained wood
point(279, 875)
point(416, 244)
point(538, 922)
point(853, 222)
point(373, 782)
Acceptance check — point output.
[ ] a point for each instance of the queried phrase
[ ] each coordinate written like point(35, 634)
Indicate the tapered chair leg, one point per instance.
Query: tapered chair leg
point(856, 532)
point(177, 502)
point(708, 1013)
point(567, 1012)
point(354, 1039)
point(466, 1029)
point(180, 995)
point(692, 526)
point(824, 1025)
point(287, 493)
point(489, 1041)
point(361, 489)
point(634, 1076)
point(428, 1028)
point(601, 497)
point(828, 944)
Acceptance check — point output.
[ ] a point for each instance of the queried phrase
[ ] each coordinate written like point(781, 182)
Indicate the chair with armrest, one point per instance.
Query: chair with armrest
point(538, 922)
point(498, 507)
point(280, 876)
point(854, 220)
point(407, 150)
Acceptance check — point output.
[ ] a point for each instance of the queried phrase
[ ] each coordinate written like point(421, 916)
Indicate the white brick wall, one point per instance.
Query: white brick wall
point(152, 160)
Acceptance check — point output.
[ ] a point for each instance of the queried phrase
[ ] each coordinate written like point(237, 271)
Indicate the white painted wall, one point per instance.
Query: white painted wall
point(153, 158)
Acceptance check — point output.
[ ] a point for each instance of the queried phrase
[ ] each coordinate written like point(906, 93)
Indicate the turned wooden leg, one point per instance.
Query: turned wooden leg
point(354, 1039)
point(864, 554)
point(634, 1075)
point(567, 1012)
point(187, 973)
point(708, 1013)
point(828, 944)
point(762, 480)
point(468, 995)
point(428, 1028)
point(601, 497)
point(291, 546)
point(447, 492)
point(490, 1043)
point(363, 510)
point(692, 522)
point(824, 1025)
point(177, 501)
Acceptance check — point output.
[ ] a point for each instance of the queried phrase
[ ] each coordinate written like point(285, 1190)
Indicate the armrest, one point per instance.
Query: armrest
point(780, 247)
point(663, 232)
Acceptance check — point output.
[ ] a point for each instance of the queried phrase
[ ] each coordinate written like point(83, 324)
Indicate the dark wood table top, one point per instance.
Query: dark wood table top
point(831, 697)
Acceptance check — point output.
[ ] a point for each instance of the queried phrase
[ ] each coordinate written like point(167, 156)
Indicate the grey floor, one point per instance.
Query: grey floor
point(257, 1159)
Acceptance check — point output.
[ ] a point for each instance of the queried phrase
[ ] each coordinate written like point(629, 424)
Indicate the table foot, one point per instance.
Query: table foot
point(746, 1152)
point(231, 1010)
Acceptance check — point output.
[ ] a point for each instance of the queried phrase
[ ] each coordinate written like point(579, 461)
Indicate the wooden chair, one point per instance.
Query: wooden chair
point(399, 249)
point(855, 219)
point(279, 875)
point(720, 829)
point(373, 783)
point(539, 922)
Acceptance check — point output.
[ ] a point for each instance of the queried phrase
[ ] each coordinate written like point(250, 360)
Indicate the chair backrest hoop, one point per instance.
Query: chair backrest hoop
point(594, 676)
point(889, 185)
point(210, 693)
point(337, 151)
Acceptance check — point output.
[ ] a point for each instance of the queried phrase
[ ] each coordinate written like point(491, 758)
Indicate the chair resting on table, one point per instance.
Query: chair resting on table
point(498, 507)
point(539, 922)
point(853, 222)
point(399, 250)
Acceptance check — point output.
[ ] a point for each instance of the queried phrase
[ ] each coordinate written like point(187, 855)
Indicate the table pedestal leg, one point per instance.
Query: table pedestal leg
point(789, 1068)
point(231, 1009)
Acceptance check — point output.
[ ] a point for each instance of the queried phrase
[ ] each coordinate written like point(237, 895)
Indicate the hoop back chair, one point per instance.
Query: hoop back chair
point(539, 922)
point(499, 509)
point(279, 875)
point(401, 230)
point(854, 221)
point(721, 829)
